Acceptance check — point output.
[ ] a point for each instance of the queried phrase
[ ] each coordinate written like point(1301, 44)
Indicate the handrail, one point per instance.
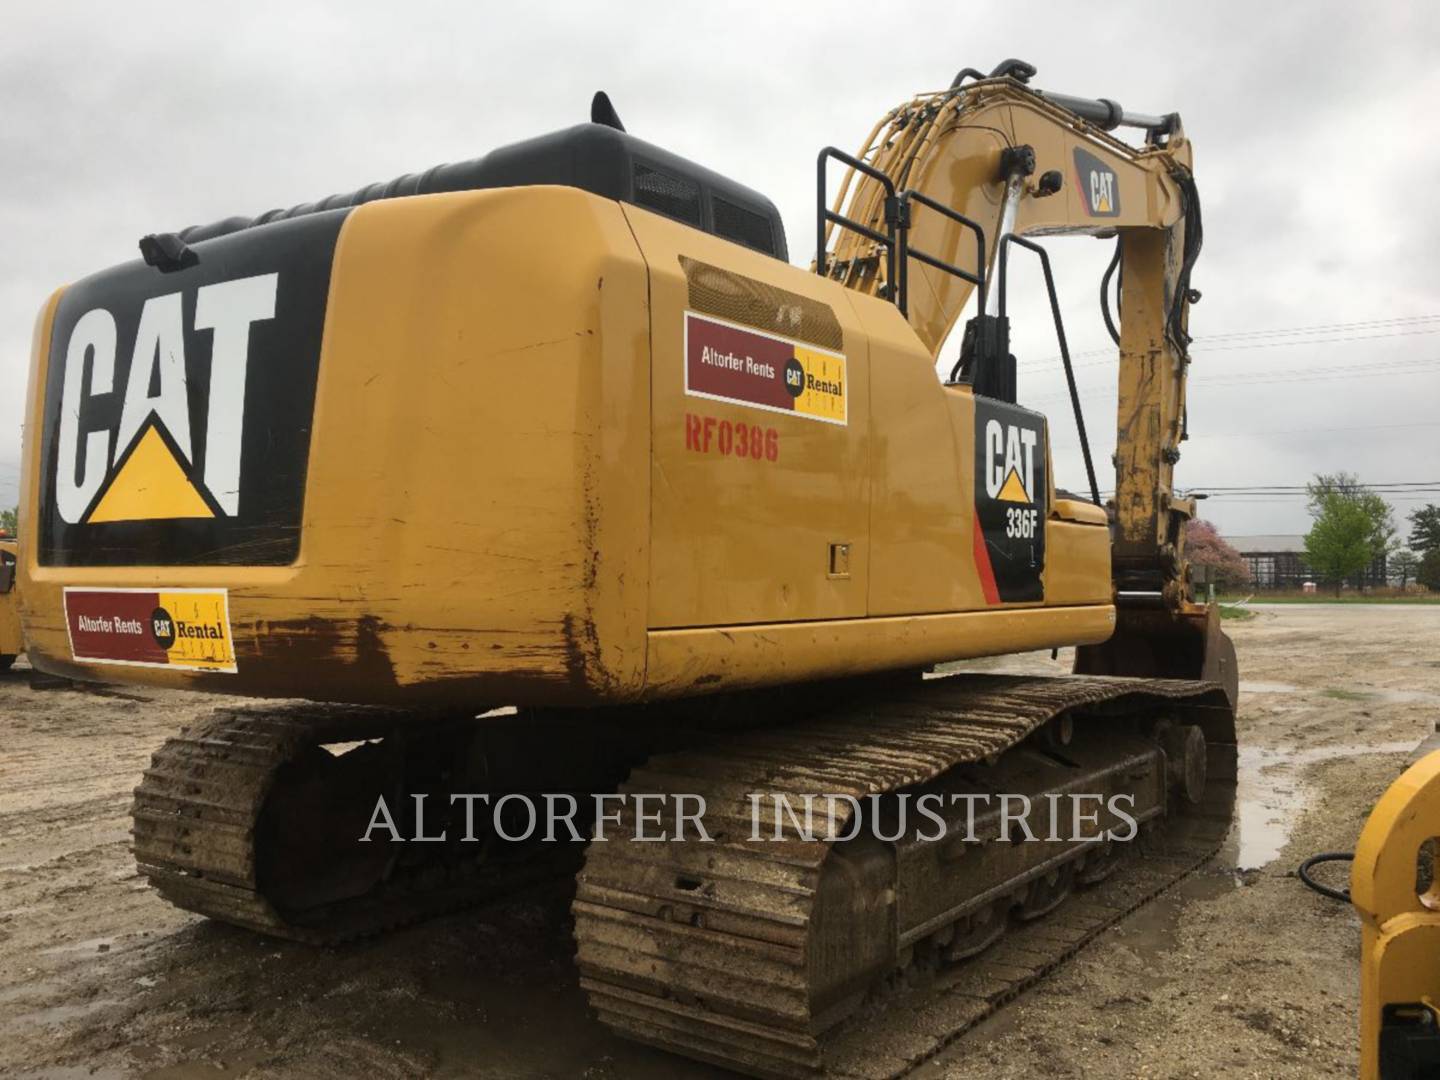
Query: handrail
point(896, 237)
point(824, 215)
point(907, 252)
point(1030, 245)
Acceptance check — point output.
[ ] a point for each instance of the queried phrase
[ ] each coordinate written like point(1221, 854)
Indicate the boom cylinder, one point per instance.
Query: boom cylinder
point(1108, 115)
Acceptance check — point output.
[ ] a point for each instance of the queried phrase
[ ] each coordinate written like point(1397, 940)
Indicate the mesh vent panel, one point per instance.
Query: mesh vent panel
point(744, 300)
point(669, 195)
point(743, 226)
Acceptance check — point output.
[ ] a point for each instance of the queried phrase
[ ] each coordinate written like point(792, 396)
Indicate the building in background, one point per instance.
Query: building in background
point(1278, 562)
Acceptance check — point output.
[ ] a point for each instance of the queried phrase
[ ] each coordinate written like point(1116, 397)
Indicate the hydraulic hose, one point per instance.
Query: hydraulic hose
point(1303, 873)
point(1105, 294)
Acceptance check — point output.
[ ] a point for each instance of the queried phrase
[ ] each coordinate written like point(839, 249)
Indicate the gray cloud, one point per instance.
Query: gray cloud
point(1312, 124)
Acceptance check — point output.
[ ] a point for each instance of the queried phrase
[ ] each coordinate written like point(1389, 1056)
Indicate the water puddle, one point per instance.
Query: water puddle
point(1403, 697)
point(1147, 932)
point(1378, 695)
point(1259, 686)
point(1271, 794)
point(92, 945)
point(1155, 927)
point(56, 1015)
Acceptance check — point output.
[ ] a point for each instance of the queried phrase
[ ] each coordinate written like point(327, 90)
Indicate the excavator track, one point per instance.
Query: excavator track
point(715, 951)
point(199, 826)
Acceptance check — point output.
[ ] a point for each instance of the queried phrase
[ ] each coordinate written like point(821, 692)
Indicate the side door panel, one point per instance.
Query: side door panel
point(761, 451)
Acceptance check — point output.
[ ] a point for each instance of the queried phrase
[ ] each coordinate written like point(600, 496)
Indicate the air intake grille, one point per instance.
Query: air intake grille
point(744, 300)
point(669, 195)
point(743, 226)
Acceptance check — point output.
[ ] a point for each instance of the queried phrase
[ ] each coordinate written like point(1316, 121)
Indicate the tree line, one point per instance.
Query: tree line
point(1352, 526)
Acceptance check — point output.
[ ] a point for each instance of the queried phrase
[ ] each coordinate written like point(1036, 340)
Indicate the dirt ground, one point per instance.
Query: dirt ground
point(1238, 971)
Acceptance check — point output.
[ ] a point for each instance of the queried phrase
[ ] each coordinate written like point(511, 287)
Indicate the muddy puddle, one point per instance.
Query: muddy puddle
point(1272, 793)
point(1151, 930)
point(1375, 694)
point(1260, 686)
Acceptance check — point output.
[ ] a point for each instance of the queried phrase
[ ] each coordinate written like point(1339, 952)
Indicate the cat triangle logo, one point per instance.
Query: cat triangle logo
point(150, 483)
point(1013, 490)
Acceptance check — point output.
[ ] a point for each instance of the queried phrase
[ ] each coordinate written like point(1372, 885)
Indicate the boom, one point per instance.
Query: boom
point(1009, 161)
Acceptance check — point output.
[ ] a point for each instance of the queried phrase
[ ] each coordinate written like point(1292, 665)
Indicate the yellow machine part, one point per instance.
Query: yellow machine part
point(516, 512)
point(1400, 915)
point(12, 643)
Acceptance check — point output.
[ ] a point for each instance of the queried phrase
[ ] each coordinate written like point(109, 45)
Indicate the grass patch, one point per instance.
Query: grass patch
point(1331, 598)
point(1236, 614)
point(1344, 695)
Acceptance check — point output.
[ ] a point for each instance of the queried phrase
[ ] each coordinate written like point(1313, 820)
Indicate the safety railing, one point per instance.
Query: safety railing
point(1002, 260)
point(825, 216)
point(907, 252)
point(895, 240)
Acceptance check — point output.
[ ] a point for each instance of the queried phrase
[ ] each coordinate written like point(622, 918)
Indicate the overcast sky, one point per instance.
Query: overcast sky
point(1315, 142)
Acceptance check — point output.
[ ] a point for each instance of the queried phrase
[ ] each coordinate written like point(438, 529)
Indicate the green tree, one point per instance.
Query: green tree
point(1425, 528)
point(1404, 563)
point(1428, 572)
point(10, 521)
point(1348, 486)
point(1342, 540)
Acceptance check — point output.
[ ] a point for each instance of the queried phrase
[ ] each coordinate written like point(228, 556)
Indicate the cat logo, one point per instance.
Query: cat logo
point(143, 467)
point(1099, 187)
point(1011, 492)
point(178, 406)
point(1010, 461)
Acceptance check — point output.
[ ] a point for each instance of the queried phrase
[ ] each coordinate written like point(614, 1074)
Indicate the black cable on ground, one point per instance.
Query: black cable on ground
point(1303, 873)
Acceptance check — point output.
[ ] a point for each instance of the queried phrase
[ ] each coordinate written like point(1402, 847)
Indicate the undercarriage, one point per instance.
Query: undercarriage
point(887, 836)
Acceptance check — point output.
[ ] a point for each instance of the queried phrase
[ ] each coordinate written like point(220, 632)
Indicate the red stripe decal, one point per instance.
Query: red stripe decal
point(982, 565)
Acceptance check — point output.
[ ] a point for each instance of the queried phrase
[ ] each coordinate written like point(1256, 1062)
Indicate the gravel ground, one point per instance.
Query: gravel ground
point(1238, 971)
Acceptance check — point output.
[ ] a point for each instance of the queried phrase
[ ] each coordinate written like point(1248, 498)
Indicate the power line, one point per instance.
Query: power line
point(1207, 435)
point(1064, 436)
point(1288, 504)
point(1321, 375)
point(1381, 370)
point(1422, 494)
point(1400, 494)
point(1379, 365)
point(1325, 328)
point(1201, 346)
point(1319, 334)
point(1052, 366)
point(1304, 488)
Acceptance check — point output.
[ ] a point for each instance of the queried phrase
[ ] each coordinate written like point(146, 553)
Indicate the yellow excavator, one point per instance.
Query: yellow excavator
point(1394, 891)
point(12, 643)
point(547, 473)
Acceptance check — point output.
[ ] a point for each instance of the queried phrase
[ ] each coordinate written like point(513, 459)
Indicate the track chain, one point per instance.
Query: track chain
point(196, 810)
point(701, 949)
